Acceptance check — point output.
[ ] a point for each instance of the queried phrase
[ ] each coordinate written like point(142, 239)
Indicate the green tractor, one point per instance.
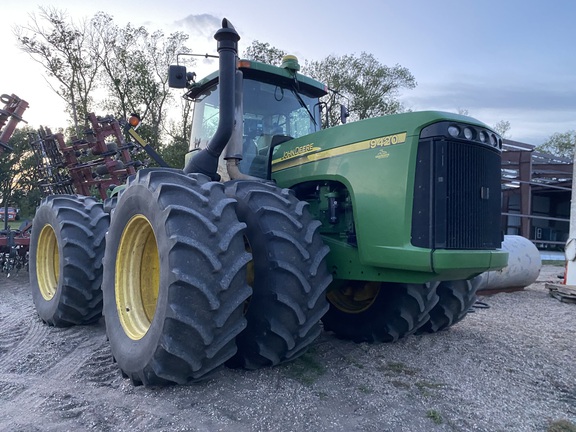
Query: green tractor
point(375, 228)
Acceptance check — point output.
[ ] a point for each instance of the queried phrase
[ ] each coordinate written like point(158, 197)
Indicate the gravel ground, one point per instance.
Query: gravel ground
point(510, 367)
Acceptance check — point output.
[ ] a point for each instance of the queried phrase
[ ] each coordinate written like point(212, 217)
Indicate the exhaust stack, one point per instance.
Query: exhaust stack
point(206, 160)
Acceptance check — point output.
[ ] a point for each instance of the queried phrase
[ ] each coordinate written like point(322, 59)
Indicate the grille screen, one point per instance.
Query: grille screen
point(456, 196)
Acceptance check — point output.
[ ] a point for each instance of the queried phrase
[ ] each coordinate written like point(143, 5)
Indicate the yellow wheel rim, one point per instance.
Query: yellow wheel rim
point(354, 297)
point(47, 263)
point(137, 277)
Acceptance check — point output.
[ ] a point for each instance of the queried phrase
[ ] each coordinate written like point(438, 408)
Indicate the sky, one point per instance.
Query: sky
point(511, 60)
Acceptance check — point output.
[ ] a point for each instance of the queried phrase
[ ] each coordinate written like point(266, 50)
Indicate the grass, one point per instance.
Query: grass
point(561, 426)
point(435, 416)
point(322, 395)
point(352, 361)
point(306, 369)
point(426, 386)
point(11, 224)
point(397, 368)
point(557, 263)
point(365, 389)
point(400, 384)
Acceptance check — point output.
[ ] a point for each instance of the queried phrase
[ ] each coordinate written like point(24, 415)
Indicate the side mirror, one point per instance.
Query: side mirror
point(344, 114)
point(177, 76)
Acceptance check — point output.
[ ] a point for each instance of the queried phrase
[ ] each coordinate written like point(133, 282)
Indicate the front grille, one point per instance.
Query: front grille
point(456, 196)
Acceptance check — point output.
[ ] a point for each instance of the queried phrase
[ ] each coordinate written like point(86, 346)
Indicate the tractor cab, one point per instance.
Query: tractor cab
point(272, 105)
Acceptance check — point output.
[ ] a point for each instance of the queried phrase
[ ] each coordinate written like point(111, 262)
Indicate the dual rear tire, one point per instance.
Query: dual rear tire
point(199, 274)
point(378, 311)
point(66, 248)
point(385, 312)
point(287, 273)
point(175, 278)
point(455, 298)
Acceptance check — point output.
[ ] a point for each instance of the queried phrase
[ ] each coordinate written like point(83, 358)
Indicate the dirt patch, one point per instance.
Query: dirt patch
point(509, 367)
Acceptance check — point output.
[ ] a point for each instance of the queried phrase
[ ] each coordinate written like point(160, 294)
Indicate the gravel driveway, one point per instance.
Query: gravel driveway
point(510, 367)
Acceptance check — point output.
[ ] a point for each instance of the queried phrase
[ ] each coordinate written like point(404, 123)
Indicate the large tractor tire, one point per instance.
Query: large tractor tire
point(455, 300)
point(66, 249)
point(377, 311)
point(288, 275)
point(174, 278)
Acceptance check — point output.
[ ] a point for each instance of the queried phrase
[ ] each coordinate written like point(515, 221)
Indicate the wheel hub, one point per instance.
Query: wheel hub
point(354, 296)
point(137, 277)
point(47, 263)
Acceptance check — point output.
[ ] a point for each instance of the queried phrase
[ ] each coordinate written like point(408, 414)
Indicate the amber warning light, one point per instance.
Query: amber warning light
point(134, 120)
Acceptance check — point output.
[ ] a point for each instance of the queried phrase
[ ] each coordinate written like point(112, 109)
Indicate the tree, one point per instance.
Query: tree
point(560, 144)
point(67, 52)
point(264, 53)
point(17, 179)
point(135, 71)
point(179, 135)
point(370, 87)
point(502, 127)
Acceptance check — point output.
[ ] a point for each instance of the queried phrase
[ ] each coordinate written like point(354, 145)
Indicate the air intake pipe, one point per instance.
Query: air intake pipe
point(206, 160)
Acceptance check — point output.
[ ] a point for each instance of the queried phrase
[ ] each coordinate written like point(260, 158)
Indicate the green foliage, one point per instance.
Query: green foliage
point(134, 72)
point(179, 137)
point(306, 369)
point(174, 152)
point(366, 86)
point(17, 180)
point(370, 88)
point(397, 368)
point(560, 144)
point(67, 53)
point(425, 387)
point(264, 53)
point(129, 63)
point(561, 426)
point(435, 416)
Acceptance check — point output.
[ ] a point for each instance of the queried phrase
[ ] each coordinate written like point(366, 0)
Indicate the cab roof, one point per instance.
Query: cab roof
point(266, 73)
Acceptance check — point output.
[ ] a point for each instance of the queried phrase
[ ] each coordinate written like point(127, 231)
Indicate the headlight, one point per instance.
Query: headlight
point(453, 131)
point(482, 136)
point(493, 141)
point(468, 134)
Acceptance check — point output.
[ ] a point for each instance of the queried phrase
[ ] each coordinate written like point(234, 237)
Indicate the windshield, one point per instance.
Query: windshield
point(271, 114)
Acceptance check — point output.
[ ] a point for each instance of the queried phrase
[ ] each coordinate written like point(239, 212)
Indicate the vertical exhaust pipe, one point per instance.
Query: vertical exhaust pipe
point(206, 160)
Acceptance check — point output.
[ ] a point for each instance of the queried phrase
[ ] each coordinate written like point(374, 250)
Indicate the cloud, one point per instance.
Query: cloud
point(470, 95)
point(203, 25)
point(535, 110)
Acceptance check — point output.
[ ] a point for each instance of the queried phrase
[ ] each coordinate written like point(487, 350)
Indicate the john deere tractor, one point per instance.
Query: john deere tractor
point(276, 224)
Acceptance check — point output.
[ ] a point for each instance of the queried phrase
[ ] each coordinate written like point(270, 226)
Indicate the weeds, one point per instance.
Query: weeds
point(397, 368)
point(435, 416)
point(400, 384)
point(365, 389)
point(306, 369)
point(352, 361)
point(425, 386)
point(561, 426)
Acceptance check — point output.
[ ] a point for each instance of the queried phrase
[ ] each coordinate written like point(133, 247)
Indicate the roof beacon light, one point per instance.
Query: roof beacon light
point(290, 62)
